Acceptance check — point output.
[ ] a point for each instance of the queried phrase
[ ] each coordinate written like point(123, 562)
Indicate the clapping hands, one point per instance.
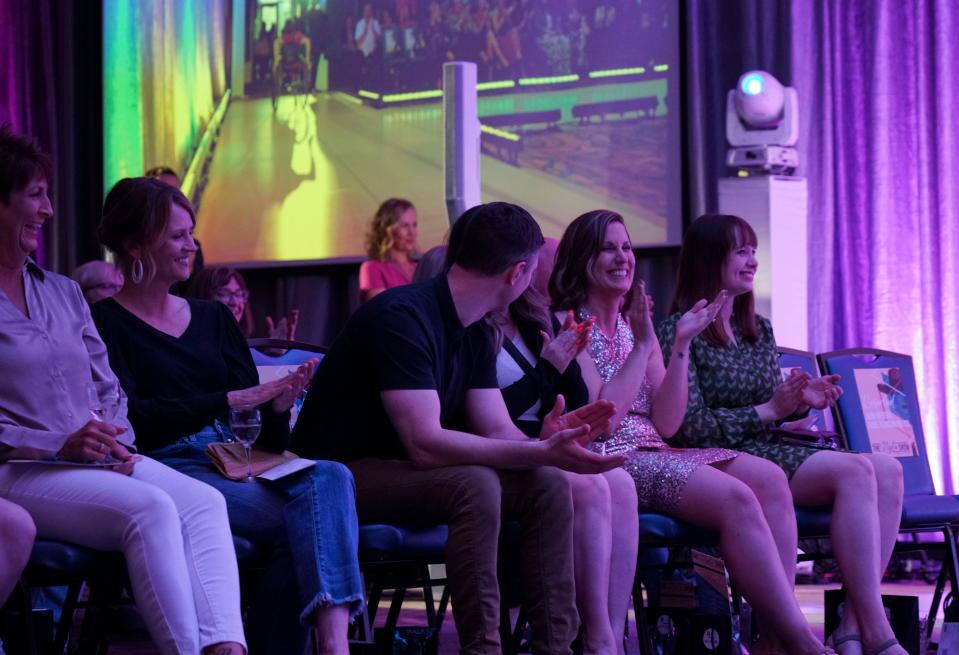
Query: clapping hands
point(699, 317)
point(568, 342)
point(282, 391)
point(640, 316)
point(285, 328)
point(822, 392)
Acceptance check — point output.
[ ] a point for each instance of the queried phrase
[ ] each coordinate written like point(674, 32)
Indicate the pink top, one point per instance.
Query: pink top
point(381, 275)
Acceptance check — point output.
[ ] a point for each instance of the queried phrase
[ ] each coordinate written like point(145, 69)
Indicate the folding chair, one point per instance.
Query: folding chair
point(393, 557)
point(879, 412)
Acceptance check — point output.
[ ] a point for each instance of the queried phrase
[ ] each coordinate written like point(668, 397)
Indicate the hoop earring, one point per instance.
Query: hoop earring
point(136, 271)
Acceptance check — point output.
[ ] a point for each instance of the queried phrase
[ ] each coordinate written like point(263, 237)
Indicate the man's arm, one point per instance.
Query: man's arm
point(416, 416)
point(488, 416)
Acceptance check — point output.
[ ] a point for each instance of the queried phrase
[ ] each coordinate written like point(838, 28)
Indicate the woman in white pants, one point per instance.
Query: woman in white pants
point(172, 529)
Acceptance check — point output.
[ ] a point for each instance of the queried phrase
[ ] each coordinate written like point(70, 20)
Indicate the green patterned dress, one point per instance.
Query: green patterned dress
point(725, 383)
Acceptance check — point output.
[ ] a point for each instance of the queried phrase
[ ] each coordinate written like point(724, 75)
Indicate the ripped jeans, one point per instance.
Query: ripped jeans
point(307, 521)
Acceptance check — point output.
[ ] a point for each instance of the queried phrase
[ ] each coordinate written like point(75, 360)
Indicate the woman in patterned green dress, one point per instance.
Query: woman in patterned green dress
point(737, 393)
point(717, 489)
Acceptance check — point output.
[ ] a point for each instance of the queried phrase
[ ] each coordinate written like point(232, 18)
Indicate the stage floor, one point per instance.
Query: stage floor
point(304, 182)
point(810, 599)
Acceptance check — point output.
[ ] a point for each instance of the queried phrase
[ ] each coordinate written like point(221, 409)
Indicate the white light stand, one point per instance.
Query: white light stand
point(776, 207)
point(461, 138)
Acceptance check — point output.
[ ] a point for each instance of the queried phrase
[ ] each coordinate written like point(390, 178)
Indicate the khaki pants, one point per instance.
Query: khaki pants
point(473, 500)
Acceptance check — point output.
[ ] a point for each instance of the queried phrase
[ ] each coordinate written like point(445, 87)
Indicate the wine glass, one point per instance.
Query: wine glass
point(245, 426)
point(103, 397)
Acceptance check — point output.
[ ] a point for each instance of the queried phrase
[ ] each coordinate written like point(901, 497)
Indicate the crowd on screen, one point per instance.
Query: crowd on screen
point(501, 377)
point(401, 44)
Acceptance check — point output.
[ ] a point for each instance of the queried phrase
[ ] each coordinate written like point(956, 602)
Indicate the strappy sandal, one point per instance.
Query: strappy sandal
point(835, 642)
point(875, 650)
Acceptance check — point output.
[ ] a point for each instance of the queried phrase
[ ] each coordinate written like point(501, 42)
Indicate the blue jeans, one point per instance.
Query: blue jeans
point(307, 520)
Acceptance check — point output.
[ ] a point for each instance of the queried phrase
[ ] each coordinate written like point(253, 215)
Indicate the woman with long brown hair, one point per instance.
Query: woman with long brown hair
point(713, 488)
point(737, 393)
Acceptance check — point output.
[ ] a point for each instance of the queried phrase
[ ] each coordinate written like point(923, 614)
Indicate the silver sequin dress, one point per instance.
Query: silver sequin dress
point(660, 472)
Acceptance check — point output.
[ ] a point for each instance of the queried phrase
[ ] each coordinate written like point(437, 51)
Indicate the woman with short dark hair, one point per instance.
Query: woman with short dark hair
point(81, 482)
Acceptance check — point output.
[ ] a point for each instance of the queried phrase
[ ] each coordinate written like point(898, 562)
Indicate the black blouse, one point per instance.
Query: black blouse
point(178, 385)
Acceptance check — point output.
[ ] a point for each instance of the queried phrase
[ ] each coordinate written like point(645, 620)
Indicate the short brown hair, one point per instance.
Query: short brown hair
point(136, 214)
point(21, 161)
point(706, 246)
point(581, 243)
point(488, 239)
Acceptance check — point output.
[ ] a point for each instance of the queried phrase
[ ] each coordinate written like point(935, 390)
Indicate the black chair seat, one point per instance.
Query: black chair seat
point(381, 541)
point(56, 563)
point(923, 510)
point(813, 521)
point(248, 554)
point(654, 528)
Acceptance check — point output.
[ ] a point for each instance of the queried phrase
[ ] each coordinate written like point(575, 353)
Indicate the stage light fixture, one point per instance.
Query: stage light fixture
point(762, 124)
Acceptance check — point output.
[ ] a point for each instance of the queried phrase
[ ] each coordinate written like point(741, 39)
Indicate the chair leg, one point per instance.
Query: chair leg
point(29, 626)
point(936, 599)
point(393, 616)
point(66, 618)
point(643, 637)
point(444, 603)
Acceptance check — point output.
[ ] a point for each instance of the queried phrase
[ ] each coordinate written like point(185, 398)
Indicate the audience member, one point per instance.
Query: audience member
point(228, 286)
point(184, 364)
point(391, 247)
point(367, 33)
point(98, 280)
point(172, 530)
point(604, 551)
point(164, 174)
point(737, 393)
point(713, 488)
point(17, 532)
point(431, 264)
point(168, 175)
point(407, 397)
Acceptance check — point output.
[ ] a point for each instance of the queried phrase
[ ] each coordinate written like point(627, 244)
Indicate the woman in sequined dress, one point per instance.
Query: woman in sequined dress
point(536, 363)
point(712, 488)
point(737, 392)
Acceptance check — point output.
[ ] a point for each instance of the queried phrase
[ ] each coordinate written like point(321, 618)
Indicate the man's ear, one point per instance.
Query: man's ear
point(515, 272)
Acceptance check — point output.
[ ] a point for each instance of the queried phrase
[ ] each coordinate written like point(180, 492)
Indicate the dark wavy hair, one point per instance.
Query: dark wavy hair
point(581, 243)
point(707, 244)
point(206, 282)
point(379, 240)
point(136, 214)
point(21, 160)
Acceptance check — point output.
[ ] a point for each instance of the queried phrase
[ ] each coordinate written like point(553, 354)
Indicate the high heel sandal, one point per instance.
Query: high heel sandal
point(878, 648)
point(834, 641)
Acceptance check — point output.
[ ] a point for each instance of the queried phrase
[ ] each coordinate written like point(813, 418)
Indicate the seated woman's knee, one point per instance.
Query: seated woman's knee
point(155, 507)
point(738, 502)
point(330, 475)
point(857, 470)
point(771, 487)
point(888, 471)
point(17, 530)
point(590, 492)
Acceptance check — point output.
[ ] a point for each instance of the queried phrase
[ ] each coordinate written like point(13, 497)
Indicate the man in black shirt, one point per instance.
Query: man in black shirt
point(407, 398)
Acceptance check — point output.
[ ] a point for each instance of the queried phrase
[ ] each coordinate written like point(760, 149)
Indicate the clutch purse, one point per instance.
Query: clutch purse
point(809, 438)
point(230, 459)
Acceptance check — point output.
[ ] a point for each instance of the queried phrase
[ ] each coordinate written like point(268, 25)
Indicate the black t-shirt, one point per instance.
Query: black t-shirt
point(408, 337)
point(177, 385)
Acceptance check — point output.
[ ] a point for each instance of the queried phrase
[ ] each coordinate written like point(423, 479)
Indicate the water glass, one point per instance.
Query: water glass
point(245, 426)
point(103, 397)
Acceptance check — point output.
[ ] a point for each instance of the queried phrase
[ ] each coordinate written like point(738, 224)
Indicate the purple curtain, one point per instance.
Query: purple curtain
point(878, 85)
point(27, 89)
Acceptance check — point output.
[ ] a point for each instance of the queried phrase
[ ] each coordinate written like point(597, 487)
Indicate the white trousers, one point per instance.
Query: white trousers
point(172, 529)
